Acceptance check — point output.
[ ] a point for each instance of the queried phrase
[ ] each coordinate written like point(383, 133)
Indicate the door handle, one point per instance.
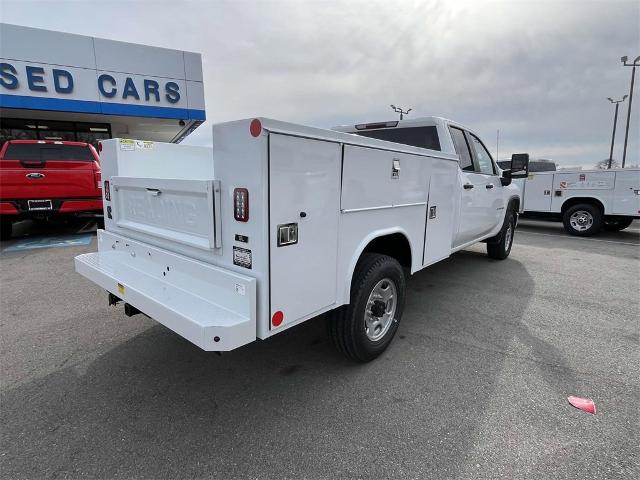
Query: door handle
point(468, 186)
point(488, 186)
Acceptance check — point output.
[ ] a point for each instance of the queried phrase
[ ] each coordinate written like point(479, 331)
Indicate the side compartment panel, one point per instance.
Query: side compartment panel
point(440, 211)
point(381, 179)
point(625, 199)
point(304, 182)
point(538, 192)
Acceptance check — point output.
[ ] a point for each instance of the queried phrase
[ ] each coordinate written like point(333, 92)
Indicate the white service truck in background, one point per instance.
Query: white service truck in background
point(586, 201)
point(278, 223)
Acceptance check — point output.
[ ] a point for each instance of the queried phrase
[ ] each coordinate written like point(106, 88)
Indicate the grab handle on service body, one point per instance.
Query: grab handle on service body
point(154, 191)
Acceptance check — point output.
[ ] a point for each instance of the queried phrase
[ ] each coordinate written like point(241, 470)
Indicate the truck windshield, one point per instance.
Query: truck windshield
point(422, 137)
point(48, 152)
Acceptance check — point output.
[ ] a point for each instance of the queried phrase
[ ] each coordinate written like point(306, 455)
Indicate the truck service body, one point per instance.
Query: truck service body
point(279, 223)
point(585, 200)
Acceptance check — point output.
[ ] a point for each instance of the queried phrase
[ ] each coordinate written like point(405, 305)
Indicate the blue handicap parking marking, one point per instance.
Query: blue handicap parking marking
point(50, 242)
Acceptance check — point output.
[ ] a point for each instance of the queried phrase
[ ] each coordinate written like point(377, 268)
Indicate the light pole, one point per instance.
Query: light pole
point(615, 120)
point(635, 63)
point(400, 111)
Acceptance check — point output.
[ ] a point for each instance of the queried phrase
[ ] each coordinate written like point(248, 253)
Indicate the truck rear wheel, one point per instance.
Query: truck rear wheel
point(363, 329)
point(582, 220)
point(617, 224)
point(499, 247)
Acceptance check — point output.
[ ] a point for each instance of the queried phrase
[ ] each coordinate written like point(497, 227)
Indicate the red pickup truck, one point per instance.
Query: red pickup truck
point(42, 179)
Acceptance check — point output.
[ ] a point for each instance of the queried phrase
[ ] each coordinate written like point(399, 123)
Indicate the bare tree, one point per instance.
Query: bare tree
point(604, 164)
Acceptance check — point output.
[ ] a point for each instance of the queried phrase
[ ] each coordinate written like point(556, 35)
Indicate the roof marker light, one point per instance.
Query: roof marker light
point(255, 128)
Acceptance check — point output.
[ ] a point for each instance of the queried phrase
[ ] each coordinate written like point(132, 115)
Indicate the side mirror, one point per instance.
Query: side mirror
point(505, 180)
point(519, 165)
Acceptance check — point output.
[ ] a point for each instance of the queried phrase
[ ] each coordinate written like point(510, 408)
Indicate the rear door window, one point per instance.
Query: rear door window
point(462, 149)
point(421, 137)
point(48, 152)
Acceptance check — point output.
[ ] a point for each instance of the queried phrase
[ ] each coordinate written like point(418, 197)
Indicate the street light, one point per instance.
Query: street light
point(400, 111)
point(635, 64)
point(615, 120)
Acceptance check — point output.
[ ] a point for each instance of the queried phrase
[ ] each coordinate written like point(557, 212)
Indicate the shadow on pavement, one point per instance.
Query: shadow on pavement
point(157, 406)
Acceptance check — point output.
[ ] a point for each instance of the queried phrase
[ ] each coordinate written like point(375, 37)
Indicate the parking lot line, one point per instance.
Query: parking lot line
point(578, 238)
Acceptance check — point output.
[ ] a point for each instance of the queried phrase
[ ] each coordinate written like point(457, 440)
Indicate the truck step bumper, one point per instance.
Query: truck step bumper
point(211, 307)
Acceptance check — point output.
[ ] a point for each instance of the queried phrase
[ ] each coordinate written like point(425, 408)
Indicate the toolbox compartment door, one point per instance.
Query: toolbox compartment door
point(538, 192)
point(183, 211)
point(304, 195)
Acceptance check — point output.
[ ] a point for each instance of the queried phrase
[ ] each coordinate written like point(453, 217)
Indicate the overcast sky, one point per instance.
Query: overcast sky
point(540, 71)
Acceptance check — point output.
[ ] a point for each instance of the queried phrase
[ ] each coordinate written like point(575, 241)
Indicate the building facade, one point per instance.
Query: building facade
point(61, 86)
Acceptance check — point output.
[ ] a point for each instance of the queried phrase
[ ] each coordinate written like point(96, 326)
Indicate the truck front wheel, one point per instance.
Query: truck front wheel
point(499, 247)
point(363, 329)
point(582, 220)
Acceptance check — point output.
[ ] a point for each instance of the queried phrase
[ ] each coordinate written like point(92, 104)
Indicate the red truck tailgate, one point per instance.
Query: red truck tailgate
point(45, 171)
point(65, 179)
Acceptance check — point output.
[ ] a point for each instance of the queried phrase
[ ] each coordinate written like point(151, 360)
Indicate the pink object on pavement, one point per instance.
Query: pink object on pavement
point(584, 404)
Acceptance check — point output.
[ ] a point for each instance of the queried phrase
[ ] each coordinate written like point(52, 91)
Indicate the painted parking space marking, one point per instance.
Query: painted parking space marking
point(50, 242)
point(577, 238)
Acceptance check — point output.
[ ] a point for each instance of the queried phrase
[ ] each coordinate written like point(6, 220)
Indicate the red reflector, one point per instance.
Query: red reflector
point(241, 204)
point(584, 404)
point(277, 319)
point(255, 128)
point(99, 147)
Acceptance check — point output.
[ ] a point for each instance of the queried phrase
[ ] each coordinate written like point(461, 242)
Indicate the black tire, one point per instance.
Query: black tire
point(582, 220)
point(499, 247)
point(6, 228)
point(617, 224)
point(351, 330)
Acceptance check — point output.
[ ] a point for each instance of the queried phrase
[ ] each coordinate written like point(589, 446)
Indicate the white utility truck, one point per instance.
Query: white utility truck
point(585, 200)
point(278, 223)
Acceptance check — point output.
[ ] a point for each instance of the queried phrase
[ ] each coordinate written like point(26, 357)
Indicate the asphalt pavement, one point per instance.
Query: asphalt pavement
point(474, 385)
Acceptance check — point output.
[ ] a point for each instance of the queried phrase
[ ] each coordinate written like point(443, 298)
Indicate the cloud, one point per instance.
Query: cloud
point(540, 71)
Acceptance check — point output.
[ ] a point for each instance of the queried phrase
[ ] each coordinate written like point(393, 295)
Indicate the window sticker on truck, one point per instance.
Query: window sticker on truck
point(242, 257)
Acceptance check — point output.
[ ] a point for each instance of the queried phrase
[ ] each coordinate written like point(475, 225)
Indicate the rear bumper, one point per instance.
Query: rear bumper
point(209, 306)
point(61, 206)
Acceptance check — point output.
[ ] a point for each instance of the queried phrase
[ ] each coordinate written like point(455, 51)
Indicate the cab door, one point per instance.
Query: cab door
point(491, 195)
point(472, 216)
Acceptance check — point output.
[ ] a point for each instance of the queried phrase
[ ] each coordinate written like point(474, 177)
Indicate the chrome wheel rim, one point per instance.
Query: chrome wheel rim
point(508, 236)
point(380, 310)
point(581, 220)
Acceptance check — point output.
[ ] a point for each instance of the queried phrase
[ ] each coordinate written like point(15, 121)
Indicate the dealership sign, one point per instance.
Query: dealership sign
point(76, 73)
point(63, 83)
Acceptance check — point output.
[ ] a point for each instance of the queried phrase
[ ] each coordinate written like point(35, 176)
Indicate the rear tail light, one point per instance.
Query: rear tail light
point(241, 204)
point(97, 178)
point(107, 191)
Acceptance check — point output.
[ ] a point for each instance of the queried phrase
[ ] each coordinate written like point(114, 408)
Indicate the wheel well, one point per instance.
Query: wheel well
point(577, 200)
point(395, 245)
point(515, 203)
